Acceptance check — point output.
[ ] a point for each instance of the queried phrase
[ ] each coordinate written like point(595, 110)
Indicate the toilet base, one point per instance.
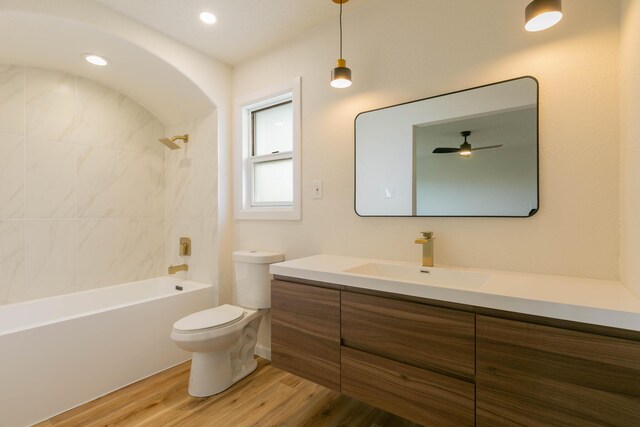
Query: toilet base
point(214, 372)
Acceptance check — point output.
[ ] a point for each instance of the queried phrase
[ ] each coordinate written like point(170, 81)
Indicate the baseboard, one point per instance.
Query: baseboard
point(263, 352)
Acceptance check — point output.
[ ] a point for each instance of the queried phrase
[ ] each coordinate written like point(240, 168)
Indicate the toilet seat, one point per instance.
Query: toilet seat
point(212, 318)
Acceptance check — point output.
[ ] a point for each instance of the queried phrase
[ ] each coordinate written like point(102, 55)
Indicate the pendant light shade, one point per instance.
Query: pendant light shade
point(341, 75)
point(542, 14)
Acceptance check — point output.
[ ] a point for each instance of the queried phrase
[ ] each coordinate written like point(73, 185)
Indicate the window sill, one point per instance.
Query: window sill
point(269, 213)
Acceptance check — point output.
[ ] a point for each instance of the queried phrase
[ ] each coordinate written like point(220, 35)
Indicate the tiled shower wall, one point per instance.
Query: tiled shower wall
point(192, 194)
point(81, 186)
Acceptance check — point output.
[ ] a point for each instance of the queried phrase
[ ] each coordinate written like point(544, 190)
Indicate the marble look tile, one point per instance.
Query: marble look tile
point(12, 172)
point(98, 252)
point(50, 104)
point(12, 99)
point(51, 257)
point(203, 233)
point(96, 115)
point(159, 185)
point(179, 175)
point(137, 128)
point(51, 179)
point(158, 233)
point(182, 227)
point(203, 197)
point(136, 243)
point(12, 256)
point(191, 188)
point(203, 131)
point(135, 185)
point(97, 182)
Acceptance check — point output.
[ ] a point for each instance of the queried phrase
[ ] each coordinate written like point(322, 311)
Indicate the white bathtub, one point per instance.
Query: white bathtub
point(57, 353)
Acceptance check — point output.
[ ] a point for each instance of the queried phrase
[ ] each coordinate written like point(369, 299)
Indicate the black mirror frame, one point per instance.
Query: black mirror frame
point(531, 213)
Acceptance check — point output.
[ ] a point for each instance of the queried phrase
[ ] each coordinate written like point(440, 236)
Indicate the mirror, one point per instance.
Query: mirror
point(467, 153)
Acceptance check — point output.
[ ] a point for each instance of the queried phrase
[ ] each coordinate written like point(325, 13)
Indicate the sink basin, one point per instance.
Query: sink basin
point(434, 276)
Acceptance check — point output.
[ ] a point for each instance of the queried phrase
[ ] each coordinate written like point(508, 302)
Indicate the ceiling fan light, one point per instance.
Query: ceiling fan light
point(465, 147)
point(542, 14)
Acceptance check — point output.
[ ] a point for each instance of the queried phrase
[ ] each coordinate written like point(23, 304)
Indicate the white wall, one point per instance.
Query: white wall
point(410, 49)
point(630, 146)
point(82, 186)
point(500, 181)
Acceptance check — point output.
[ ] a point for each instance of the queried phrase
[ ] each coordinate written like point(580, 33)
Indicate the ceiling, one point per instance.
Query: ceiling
point(38, 33)
point(245, 28)
point(49, 42)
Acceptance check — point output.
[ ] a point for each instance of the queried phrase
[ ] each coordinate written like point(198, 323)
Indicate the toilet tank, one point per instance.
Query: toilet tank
point(252, 280)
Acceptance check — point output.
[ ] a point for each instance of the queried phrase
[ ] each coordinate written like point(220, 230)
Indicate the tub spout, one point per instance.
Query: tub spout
point(173, 269)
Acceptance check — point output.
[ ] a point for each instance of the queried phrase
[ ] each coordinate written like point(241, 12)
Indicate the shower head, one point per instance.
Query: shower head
point(170, 142)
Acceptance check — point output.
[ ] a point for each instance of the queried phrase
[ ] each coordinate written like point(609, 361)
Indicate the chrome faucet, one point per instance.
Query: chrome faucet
point(427, 248)
point(173, 269)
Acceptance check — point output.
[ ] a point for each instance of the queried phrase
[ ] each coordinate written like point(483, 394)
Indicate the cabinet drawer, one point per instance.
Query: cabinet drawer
point(305, 332)
point(539, 375)
point(417, 334)
point(418, 395)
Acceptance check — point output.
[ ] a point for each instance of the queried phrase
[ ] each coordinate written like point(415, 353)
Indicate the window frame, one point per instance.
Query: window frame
point(245, 208)
point(264, 158)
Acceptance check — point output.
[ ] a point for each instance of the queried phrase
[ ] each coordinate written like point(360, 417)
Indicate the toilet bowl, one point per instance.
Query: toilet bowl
point(223, 339)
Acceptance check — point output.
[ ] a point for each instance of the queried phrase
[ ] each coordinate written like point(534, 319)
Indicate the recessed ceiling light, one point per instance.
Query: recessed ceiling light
point(208, 18)
point(95, 59)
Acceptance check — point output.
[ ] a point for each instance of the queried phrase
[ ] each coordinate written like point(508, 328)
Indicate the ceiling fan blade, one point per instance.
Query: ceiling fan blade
point(487, 147)
point(444, 150)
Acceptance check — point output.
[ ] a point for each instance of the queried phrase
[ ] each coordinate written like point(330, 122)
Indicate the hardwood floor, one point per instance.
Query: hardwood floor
point(268, 397)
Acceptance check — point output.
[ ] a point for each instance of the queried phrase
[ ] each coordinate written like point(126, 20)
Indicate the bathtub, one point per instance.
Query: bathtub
point(57, 353)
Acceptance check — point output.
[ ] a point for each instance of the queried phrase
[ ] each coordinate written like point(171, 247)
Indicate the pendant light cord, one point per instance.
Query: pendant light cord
point(340, 30)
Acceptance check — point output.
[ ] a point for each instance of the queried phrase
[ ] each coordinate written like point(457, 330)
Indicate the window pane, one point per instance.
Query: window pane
point(273, 181)
point(273, 129)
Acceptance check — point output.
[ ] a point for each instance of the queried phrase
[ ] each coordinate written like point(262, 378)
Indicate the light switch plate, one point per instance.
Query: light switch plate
point(317, 189)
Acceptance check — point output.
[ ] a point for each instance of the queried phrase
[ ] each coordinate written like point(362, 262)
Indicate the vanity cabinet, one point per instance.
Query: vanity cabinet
point(411, 359)
point(305, 332)
point(424, 336)
point(419, 395)
point(529, 374)
point(443, 364)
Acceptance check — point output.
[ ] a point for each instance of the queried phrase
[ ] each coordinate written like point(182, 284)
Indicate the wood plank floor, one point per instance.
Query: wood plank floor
point(268, 397)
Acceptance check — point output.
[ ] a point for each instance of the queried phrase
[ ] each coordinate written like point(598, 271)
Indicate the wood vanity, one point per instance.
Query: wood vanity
point(441, 363)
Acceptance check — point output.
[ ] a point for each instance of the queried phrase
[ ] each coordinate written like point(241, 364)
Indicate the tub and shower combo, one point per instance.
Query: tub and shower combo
point(57, 353)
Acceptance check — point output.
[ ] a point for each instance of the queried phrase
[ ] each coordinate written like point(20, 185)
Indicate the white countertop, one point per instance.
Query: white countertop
point(599, 302)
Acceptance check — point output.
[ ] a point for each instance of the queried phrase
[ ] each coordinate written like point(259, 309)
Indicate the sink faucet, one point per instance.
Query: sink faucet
point(427, 248)
point(173, 269)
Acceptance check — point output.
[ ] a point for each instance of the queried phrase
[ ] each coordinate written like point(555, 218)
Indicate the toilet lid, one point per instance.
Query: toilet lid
point(211, 318)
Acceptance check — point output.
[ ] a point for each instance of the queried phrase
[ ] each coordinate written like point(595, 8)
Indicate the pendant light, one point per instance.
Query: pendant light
point(542, 14)
point(341, 75)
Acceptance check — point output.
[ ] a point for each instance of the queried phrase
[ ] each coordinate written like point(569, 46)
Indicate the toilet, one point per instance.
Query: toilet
point(223, 339)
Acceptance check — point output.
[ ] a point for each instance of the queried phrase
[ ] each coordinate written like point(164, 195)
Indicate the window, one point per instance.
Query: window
point(270, 169)
point(271, 158)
